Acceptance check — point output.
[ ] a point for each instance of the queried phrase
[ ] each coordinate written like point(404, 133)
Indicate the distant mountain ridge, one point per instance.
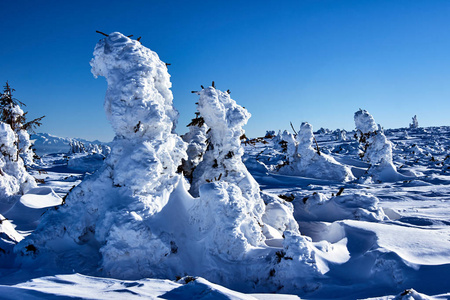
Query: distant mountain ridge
point(45, 143)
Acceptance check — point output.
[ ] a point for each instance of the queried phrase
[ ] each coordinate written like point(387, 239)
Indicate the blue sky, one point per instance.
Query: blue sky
point(316, 61)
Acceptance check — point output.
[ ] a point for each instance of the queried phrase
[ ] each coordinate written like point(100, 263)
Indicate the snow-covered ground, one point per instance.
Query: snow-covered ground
point(215, 215)
point(369, 256)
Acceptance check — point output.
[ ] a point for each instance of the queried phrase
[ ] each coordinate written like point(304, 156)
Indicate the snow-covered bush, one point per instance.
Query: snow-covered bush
point(304, 160)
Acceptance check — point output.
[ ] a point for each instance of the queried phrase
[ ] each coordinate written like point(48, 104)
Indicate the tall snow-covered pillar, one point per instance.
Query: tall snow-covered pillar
point(108, 214)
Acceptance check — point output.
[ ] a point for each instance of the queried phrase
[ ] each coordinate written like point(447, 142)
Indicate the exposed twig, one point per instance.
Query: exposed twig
point(317, 146)
point(340, 191)
point(293, 128)
point(102, 33)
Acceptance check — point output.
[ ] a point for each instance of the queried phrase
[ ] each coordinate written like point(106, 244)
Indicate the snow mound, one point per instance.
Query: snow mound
point(304, 160)
point(358, 206)
point(411, 294)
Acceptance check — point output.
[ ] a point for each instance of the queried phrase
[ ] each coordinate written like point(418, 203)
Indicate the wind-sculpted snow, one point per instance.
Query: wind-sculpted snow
point(138, 101)
point(364, 121)
point(304, 160)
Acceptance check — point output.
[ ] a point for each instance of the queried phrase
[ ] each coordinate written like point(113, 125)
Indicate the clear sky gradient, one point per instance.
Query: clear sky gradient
point(314, 60)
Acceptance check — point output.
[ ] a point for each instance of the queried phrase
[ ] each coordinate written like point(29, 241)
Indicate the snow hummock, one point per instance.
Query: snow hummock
point(358, 206)
point(304, 160)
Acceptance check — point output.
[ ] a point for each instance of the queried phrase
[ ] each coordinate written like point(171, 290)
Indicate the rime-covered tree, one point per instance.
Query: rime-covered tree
point(415, 123)
point(305, 160)
point(376, 149)
point(13, 115)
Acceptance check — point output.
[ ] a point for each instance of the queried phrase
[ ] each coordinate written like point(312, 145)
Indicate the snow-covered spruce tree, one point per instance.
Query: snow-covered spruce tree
point(14, 178)
point(76, 147)
point(415, 123)
point(376, 148)
point(340, 135)
point(230, 218)
point(222, 175)
point(104, 223)
point(222, 160)
point(13, 115)
point(304, 160)
point(196, 139)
